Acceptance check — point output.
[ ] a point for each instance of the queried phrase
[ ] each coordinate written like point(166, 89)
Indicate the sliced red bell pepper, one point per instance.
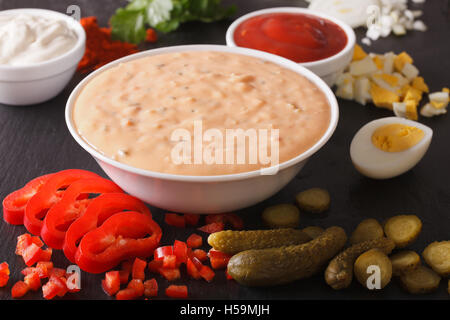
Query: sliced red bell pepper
point(134, 290)
point(174, 291)
point(101, 208)
point(200, 254)
point(33, 281)
point(194, 241)
point(138, 270)
point(111, 283)
point(212, 227)
point(170, 261)
point(42, 201)
point(31, 254)
point(170, 274)
point(62, 214)
point(19, 289)
point(14, 204)
point(151, 288)
point(122, 236)
point(161, 252)
point(180, 251)
point(191, 219)
point(4, 274)
point(175, 220)
point(125, 271)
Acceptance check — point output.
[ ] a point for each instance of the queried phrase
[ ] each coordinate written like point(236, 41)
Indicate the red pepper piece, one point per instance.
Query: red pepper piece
point(19, 289)
point(194, 241)
point(14, 204)
point(180, 251)
point(212, 227)
point(55, 286)
point(175, 220)
point(111, 283)
point(134, 290)
point(46, 255)
point(170, 262)
point(37, 241)
point(57, 273)
point(151, 35)
point(23, 242)
point(215, 218)
point(192, 269)
point(227, 275)
point(122, 236)
point(155, 265)
point(43, 268)
point(31, 254)
point(138, 271)
point(216, 254)
point(33, 281)
point(62, 214)
point(191, 219)
point(42, 201)
point(4, 274)
point(236, 222)
point(207, 273)
point(218, 259)
point(124, 273)
point(174, 291)
point(161, 252)
point(151, 288)
point(100, 209)
point(200, 254)
point(170, 274)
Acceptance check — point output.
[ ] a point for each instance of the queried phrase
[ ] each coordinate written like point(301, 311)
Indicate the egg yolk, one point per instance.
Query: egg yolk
point(396, 137)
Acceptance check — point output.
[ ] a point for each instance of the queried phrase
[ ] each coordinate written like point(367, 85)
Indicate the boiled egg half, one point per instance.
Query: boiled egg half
point(388, 147)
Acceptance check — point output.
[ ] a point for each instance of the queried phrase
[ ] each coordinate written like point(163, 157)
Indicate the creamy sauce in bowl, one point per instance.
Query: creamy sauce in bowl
point(129, 112)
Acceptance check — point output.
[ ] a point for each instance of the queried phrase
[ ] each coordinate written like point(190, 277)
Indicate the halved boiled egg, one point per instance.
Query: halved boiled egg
point(388, 147)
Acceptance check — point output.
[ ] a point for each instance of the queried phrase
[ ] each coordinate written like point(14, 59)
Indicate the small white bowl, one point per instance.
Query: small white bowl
point(329, 68)
point(39, 82)
point(204, 194)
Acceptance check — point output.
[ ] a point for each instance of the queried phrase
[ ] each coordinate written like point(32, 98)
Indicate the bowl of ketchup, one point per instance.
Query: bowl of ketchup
point(318, 42)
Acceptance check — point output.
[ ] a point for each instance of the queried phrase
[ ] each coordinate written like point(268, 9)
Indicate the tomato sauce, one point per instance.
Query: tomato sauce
point(298, 37)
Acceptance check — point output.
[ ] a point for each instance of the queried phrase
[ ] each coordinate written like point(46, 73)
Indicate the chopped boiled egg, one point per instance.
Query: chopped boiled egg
point(362, 67)
point(383, 98)
point(389, 147)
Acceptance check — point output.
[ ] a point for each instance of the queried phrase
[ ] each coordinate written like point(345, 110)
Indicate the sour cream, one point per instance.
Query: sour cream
point(29, 38)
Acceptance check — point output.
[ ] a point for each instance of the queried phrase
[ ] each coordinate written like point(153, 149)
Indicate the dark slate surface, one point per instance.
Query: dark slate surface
point(34, 140)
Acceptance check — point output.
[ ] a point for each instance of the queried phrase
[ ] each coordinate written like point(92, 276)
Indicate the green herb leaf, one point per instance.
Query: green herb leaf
point(128, 25)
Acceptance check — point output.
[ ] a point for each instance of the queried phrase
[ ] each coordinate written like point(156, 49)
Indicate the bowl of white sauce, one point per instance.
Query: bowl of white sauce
point(39, 53)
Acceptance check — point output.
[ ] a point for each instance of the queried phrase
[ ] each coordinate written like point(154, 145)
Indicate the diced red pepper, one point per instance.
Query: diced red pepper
point(207, 273)
point(151, 288)
point(57, 273)
point(19, 289)
point(170, 274)
point(14, 204)
point(236, 222)
point(62, 214)
point(180, 251)
point(227, 275)
point(212, 253)
point(212, 227)
point(37, 241)
point(42, 201)
point(173, 219)
point(44, 268)
point(100, 209)
point(111, 283)
point(134, 290)
point(191, 219)
point(33, 281)
point(174, 291)
point(55, 286)
point(194, 241)
point(161, 252)
point(200, 254)
point(192, 269)
point(138, 271)
point(151, 35)
point(4, 274)
point(124, 273)
point(218, 263)
point(31, 254)
point(23, 242)
point(137, 285)
point(122, 236)
point(46, 255)
point(215, 218)
point(64, 289)
point(155, 265)
point(170, 262)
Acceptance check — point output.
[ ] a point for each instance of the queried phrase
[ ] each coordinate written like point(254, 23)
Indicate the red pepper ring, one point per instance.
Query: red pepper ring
point(96, 213)
point(122, 236)
point(39, 204)
point(62, 214)
point(14, 204)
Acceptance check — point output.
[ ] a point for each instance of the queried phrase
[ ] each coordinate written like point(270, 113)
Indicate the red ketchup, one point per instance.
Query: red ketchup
point(298, 37)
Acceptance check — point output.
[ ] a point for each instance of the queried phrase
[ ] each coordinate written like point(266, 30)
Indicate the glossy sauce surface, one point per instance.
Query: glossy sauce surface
point(129, 112)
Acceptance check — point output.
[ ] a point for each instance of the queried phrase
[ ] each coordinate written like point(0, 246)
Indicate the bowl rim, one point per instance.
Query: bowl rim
point(351, 37)
point(73, 24)
point(334, 113)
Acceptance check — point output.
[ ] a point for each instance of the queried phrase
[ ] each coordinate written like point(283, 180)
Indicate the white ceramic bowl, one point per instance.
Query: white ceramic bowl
point(203, 194)
point(329, 68)
point(39, 82)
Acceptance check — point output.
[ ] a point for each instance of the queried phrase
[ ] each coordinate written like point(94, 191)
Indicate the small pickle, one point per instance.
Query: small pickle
point(373, 257)
point(313, 231)
point(404, 261)
point(281, 216)
point(420, 280)
point(315, 200)
point(274, 266)
point(437, 256)
point(232, 242)
point(339, 273)
point(403, 229)
point(368, 229)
